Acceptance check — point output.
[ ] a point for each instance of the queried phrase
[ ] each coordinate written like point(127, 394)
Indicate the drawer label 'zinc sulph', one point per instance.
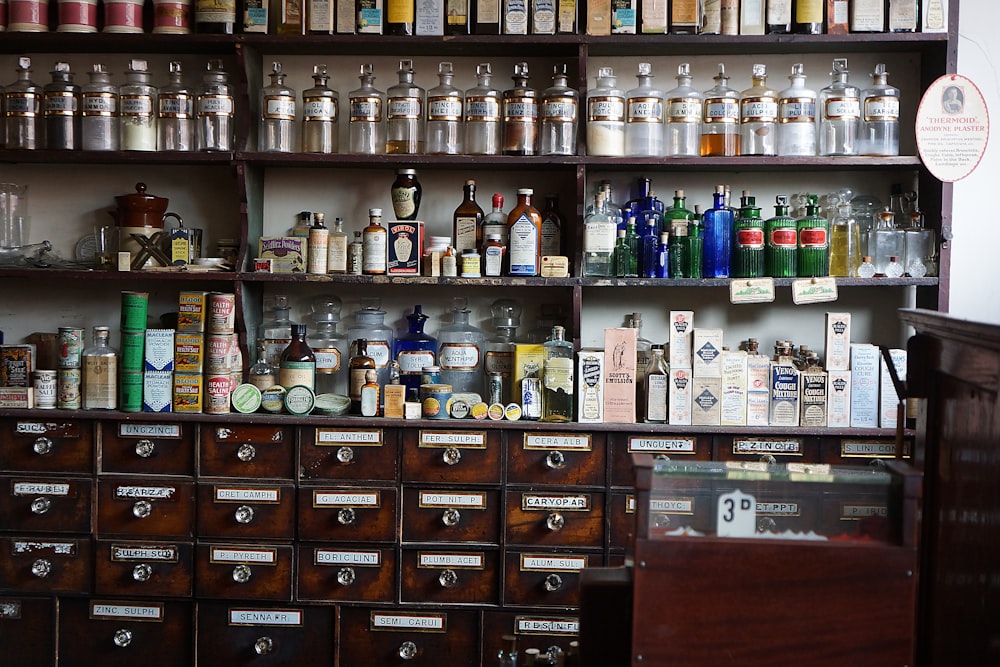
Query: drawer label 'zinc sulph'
point(672, 445)
point(346, 499)
point(129, 610)
point(671, 505)
point(465, 439)
point(557, 441)
point(565, 502)
point(536, 563)
point(39, 428)
point(40, 489)
point(446, 499)
point(412, 622)
point(433, 560)
point(121, 552)
point(535, 625)
point(247, 495)
point(359, 558)
point(280, 617)
point(157, 492)
point(327, 436)
point(746, 446)
point(129, 430)
point(261, 556)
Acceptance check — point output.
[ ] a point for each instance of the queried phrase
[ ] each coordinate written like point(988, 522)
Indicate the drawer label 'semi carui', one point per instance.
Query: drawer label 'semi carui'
point(447, 499)
point(536, 563)
point(154, 492)
point(247, 495)
point(463, 439)
point(42, 428)
point(129, 610)
point(329, 436)
point(671, 505)
point(657, 445)
point(280, 617)
point(762, 446)
point(346, 499)
point(122, 552)
point(535, 625)
point(571, 503)
point(468, 561)
point(40, 489)
point(578, 442)
point(361, 558)
point(130, 430)
point(259, 556)
point(411, 622)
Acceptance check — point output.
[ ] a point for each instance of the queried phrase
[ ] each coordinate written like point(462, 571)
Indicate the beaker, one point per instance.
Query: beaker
point(13, 216)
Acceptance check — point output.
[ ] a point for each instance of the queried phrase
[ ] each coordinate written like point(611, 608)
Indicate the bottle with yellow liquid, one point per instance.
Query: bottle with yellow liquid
point(845, 243)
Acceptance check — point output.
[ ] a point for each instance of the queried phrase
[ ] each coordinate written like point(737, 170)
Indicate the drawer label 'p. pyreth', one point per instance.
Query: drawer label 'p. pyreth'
point(259, 556)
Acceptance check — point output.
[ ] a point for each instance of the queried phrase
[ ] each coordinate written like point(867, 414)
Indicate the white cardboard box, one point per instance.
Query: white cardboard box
point(864, 385)
point(734, 388)
point(813, 398)
point(785, 395)
point(706, 353)
point(758, 390)
point(680, 396)
point(590, 391)
point(888, 397)
point(681, 326)
point(706, 401)
point(838, 399)
point(838, 341)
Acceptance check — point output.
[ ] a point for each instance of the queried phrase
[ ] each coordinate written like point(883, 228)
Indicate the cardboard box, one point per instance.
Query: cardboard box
point(157, 391)
point(706, 353)
point(654, 17)
point(189, 352)
point(406, 247)
point(192, 308)
point(524, 354)
point(623, 17)
point(590, 392)
point(681, 326)
point(837, 17)
point(706, 401)
point(888, 410)
point(813, 398)
point(932, 20)
point(370, 17)
point(864, 385)
point(288, 254)
point(838, 341)
point(679, 404)
point(159, 354)
point(734, 388)
point(784, 386)
point(17, 363)
point(17, 397)
point(619, 375)
point(838, 399)
point(758, 390)
point(599, 17)
point(187, 392)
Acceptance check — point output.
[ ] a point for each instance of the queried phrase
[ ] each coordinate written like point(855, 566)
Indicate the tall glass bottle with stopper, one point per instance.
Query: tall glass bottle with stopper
point(682, 116)
point(277, 115)
point(329, 346)
point(100, 373)
point(720, 131)
point(643, 346)
point(885, 241)
point(797, 116)
point(320, 113)
point(845, 242)
point(814, 241)
point(520, 115)
point(25, 124)
point(644, 116)
point(560, 109)
point(919, 246)
point(718, 223)
point(415, 350)
point(460, 351)
point(444, 114)
point(557, 378)
point(499, 361)
point(336, 258)
point(61, 109)
point(99, 116)
point(657, 382)
point(215, 129)
point(262, 373)
point(606, 116)
point(138, 109)
point(298, 363)
point(276, 332)
point(495, 222)
point(360, 364)
point(524, 224)
point(759, 116)
point(468, 221)
point(369, 323)
point(405, 114)
point(880, 116)
point(482, 115)
point(748, 250)
point(367, 123)
point(840, 111)
point(781, 237)
point(598, 241)
point(175, 108)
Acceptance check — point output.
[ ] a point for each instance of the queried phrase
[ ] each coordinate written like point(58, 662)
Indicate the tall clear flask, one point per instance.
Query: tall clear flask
point(367, 123)
point(499, 362)
point(138, 109)
point(405, 114)
point(845, 243)
point(275, 333)
point(606, 116)
point(644, 116)
point(460, 351)
point(444, 114)
point(682, 126)
point(880, 116)
point(520, 115)
point(720, 130)
point(320, 113)
point(598, 240)
point(482, 115)
point(215, 130)
point(25, 126)
point(61, 108)
point(840, 111)
point(415, 350)
point(560, 110)
point(919, 247)
point(99, 118)
point(718, 223)
point(369, 324)
point(797, 116)
point(759, 116)
point(276, 133)
point(557, 378)
point(100, 373)
point(175, 108)
point(329, 346)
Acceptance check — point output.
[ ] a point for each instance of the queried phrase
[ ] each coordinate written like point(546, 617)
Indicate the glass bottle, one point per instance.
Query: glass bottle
point(494, 254)
point(919, 244)
point(663, 254)
point(405, 114)
point(615, 211)
point(657, 374)
point(25, 123)
point(682, 127)
point(880, 116)
point(885, 241)
point(320, 113)
point(626, 257)
point(718, 224)
point(100, 373)
point(444, 115)
point(482, 115)
point(894, 269)
point(778, 17)
point(138, 109)
point(598, 241)
point(298, 363)
point(606, 116)
point(262, 373)
point(552, 224)
point(559, 111)
point(61, 110)
point(406, 194)
point(865, 209)
point(369, 323)
point(644, 206)
point(356, 255)
point(175, 113)
point(549, 315)
point(621, 256)
point(845, 243)
point(720, 131)
point(375, 239)
point(460, 351)
point(328, 346)
point(500, 347)
point(643, 349)
point(495, 222)
point(520, 115)
point(781, 237)
point(867, 268)
point(797, 116)
point(276, 333)
point(748, 250)
point(336, 259)
point(415, 350)
point(814, 241)
point(808, 17)
point(557, 378)
point(840, 110)
point(215, 130)
point(367, 123)
point(524, 224)
point(215, 18)
point(359, 366)
point(467, 220)
point(370, 395)
point(99, 116)
point(318, 245)
point(644, 116)
point(679, 251)
point(677, 212)
point(277, 114)
point(759, 116)
point(649, 245)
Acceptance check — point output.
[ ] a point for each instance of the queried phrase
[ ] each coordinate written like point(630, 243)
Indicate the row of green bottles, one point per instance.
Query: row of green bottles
point(781, 247)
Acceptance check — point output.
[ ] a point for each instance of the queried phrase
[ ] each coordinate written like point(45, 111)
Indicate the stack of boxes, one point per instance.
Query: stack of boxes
point(679, 402)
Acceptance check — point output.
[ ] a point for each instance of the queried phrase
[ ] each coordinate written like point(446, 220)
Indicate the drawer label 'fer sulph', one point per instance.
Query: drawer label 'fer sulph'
point(123, 610)
point(281, 617)
point(546, 563)
point(656, 445)
point(259, 556)
point(578, 442)
point(130, 430)
point(412, 622)
point(571, 503)
point(463, 439)
point(671, 505)
point(346, 499)
point(360, 558)
point(123, 552)
point(40, 489)
point(473, 561)
point(330, 436)
point(537, 625)
point(247, 495)
point(765, 446)
point(475, 501)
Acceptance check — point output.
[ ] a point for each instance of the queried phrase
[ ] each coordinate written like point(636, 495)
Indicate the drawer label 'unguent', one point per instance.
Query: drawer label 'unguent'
point(361, 558)
point(280, 617)
point(346, 499)
point(326, 436)
point(433, 560)
point(654, 445)
point(535, 563)
point(466, 439)
point(120, 552)
point(568, 503)
point(412, 622)
point(261, 556)
point(230, 495)
point(157, 492)
point(529, 625)
point(445, 499)
point(129, 430)
point(557, 441)
point(135, 612)
point(40, 489)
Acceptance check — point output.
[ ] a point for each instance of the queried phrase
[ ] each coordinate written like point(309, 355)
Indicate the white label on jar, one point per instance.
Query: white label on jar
point(327, 360)
point(520, 109)
point(599, 236)
point(606, 109)
point(279, 617)
point(361, 558)
point(60, 103)
point(797, 110)
point(523, 247)
point(559, 109)
point(137, 105)
point(375, 245)
point(843, 108)
point(444, 108)
point(882, 108)
point(458, 356)
point(22, 104)
point(100, 104)
point(412, 362)
point(279, 107)
point(759, 110)
point(684, 110)
point(482, 110)
point(404, 107)
point(215, 105)
point(465, 233)
point(176, 106)
point(319, 108)
point(366, 109)
point(645, 110)
point(722, 110)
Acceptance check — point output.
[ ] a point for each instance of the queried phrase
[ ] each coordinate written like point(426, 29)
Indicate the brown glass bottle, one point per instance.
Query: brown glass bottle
point(358, 368)
point(298, 363)
point(217, 18)
point(552, 224)
point(525, 233)
point(468, 221)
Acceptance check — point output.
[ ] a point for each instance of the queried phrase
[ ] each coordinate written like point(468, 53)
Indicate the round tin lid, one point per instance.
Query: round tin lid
point(299, 400)
point(246, 398)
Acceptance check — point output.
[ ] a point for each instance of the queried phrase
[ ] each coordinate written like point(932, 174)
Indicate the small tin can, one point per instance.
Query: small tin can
point(218, 388)
point(494, 387)
point(68, 388)
point(130, 392)
point(430, 375)
point(218, 353)
point(191, 309)
point(221, 313)
point(188, 392)
point(436, 400)
point(44, 383)
point(133, 347)
point(135, 309)
point(70, 347)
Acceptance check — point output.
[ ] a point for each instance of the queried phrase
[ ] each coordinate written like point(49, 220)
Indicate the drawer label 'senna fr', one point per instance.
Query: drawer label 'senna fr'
point(246, 495)
point(281, 617)
point(567, 503)
point(656, 445)
point(557, 441)
point(130, 430)
point(135, 612)
point(121, 552)
point(467, 561)
point(463, 439)
point(10, 610)
point(327, 436)
point(346, 499)
point(530, 625)
point(259, 556)
point(671, 505)
point(536, 563)
point(412, 622)
point(41, 428)
point(360, 558)
point(40, 489)
point(476, 501)
point(745, 446)
point(155, 492)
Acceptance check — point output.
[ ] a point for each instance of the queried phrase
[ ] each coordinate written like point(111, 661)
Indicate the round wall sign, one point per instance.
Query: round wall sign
point(952, 128)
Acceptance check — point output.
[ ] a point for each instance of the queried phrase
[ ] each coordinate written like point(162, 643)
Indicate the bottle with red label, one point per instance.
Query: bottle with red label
point(748, 251)
point(814, 241)
point(781, 242)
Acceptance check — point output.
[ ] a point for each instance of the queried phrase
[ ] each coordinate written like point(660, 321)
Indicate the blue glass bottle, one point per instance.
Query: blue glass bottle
point(648, 255)
point(662, 269)
point(718, 232)
point(414, 350)
point(644, 206)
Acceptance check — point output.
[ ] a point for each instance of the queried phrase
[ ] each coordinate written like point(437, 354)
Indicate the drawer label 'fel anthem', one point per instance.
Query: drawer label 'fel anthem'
point(346, 499)
point(563, 502)
point(130, 430)
point(761, 446)
point(412, 622)
point(259, 556)
point(464, 439)
point(476, 501)
point(473, 561)
point(538, 563)
point(557, 441)
point(40, 489)
point(280, 617)
point(535, 625)
point(656, 445)
point(329, 436)
point(247, 495)
point(122, 552)
point(360, 558)
point(129, 610)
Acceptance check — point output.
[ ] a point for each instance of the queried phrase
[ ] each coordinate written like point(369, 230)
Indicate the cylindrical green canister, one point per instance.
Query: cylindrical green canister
point(135, 308)
point(130, 392)
point(781, 236)
point(133, 346)
point(748, 248)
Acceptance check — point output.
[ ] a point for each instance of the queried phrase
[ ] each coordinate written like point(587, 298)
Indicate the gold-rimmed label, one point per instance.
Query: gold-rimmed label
point(797, 110)
point(559, 110)
point(458, 561)
point(347, 499)
point(645, 110)
point(881, 108)
point(684, 110)
point(132, 611)
point(759, 110)
point(215, 105)
point(278, 107)
point(319, 108)
point(405, 108)
point(722, 110)
point(259, 496)
point(550, 441)
point(355, 558)
point(137, 105)
point(434, 499)
point(550, 563)
point(482, 110)
point(410, 622)
point(604, 109)
point(843, 108)
point(457, 439)
point(520, 109)
point(444, 108)
point(175, 105)
point(219, 555)
point(291, 618)
point(60, 103)
point(100, 104)
point(366, 109)
point(25, 105)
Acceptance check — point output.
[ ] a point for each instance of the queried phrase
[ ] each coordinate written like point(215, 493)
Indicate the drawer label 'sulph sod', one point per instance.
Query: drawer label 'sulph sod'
point(129, 430)
point(138, 612)
point(361, 558)
point(280, 617)
point(120, 552)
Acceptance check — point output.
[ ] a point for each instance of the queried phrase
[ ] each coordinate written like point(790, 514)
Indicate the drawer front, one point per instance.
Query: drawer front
point(45, 565)
point(28, 631)
point(555, 518)
point(148, 448)
point(236, 634)
point(125, 633)
point(242, 450)
point(354, 454)
point(675, 446)
point(555, 636)
point(46, 505)
point(243, 571)
point(545, 578)
point(145, 506)
point(442, 576)
point(796, 449)
point(451, 456)
point(246, 511)
point(407, 638)
point(348, 514)
point(569, 459)
point(856, 515)
point(451, 515)
point(863, 451)
point(621, 520)
point(161, 569)
point(47, 446)
point(347, 573)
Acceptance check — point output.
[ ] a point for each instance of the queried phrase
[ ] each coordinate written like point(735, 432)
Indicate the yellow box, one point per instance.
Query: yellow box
point(189, 352)
point(191, 309)
point(526, 353)
point(187, 392)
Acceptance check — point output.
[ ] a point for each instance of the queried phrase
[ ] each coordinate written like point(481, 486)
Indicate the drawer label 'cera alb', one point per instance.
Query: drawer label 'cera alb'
point(745, 446)
point(38, 428)
point(40, 489)
point(346, 499)
point(246, 495)
point(569, 503)
point(131, 611)
point(129, 430)
point(467, 561)
point(327, 436)
point(672, 505)
point(557, 441)
point(534, 563)
point(360, 558)
point(120, 552)
point(465, 439)
point(260, 556)
point(412, 622)
point(445, 499)
point(158, 492)
point(533, 625)
point(280, 617)
point(655, 445)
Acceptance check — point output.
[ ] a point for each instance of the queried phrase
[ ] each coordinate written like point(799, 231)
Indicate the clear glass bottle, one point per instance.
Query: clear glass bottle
point(25, 126)
point(369, 323)
point(276, 133)
point(495, 222)
point(919, 244)
point(845, 243)
point(657, 384)
point(262, 373)
point(644, 116)
point(100, 373)
point(99, 117)
point(405, 114)
point(797, 116)
point(328, 346)
point(298, 363)
point(467, 220)
point(375, 238)
point(880, 116)
point(759, 116)
point(748, 246)
point(444, 115)
point(215, 129)
point(560, 110)
point(781, 237)
point(682, 127)
point(599, 241)
point(867, 268)
point(415, 350)
point(552, 224)
point(865, 209)
point(557, 378)
point(720, 131)
point(894, 269)
point(276, 333)
point(356, 255)
point(320, 113)
point(482, 115)
point(138, 108)
point(61, 109)
point(500, 347)
point(814, 241)
point(643, 346)
point(606, 116)
point(718, 224)
point(367, 123)
point(360, 364)
point(175, 111)
point(840, 110)
point(520, 115)
point(460, 351)
point(524, 225)
point(885, 241)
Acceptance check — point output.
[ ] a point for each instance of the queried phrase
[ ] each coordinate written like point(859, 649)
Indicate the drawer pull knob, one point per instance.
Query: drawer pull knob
point(42, 446)
point(345, 454)
point(40, 505)
point(766, 524)
point(142, 509)
point(768, 459)
point(346, 576)
point(555, 521)
point(553, 582)
point(246, 452)
point(555, 460)
point(408, 650)
point(346, 516)
point(145, 448)
point(241, 574)
point(123, 638)
point(661, 521)
point(450, 517)
point(41, 568)
point(448, 578)
point(553, 655)
point(263, 646)
point(452, 456)
point(142, 572)
point(244, 514)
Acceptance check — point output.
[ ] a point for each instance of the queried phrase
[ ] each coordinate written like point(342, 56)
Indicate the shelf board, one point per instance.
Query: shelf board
point(194, 158)
point(753, 163)
point(549, 46)
point(122, 276)
point(346, 279)
point(68, 42)
point(724, 282)
point(476, 162)
point(651, 45)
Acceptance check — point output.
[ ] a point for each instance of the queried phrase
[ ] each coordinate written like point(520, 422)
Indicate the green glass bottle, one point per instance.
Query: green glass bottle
point(781, 237)
point(678, 211)
point(748, 251)
point(634, 243)
point(677, 255)
point(695, 247)
point(813, 241)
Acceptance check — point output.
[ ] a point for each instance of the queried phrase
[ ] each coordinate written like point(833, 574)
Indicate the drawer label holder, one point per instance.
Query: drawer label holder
point(549, 441)
point(542, 625)
point(10, 610)
point(767, 446)
point(467, 561)
point(129, 553)
point(130, 430)
point(671, 505)
point(112, 611)
point(411, 622)
point(435, 499)
point(145, 492)
point(566, 503)
point(459, 439)
point(347, 499)
point(868, 449)
point(357, 558)
point(289, 618)
point(68, 430)
point(329, 437)
point(548, 563)
point(661, 445)
point(225, 494)
point(58, 548)
point(255, 556)
point(40, 489)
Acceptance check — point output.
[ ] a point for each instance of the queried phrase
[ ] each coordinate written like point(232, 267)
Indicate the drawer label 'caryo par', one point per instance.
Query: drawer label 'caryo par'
point(765, 446)
point(656, 445)
point(330, 437)
point(474, 501)
point(129, 610)
point(410, 622)
point(463, 439)
point(540, 625)
point(358, 558)
point(557, 441)
point(571, 503)
point(130, 430)
point(291, 618)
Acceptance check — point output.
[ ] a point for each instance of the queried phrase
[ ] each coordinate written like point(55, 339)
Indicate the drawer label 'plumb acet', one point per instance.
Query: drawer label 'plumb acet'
point(421, 623)
point(40, 489)
point(743, 446)
point(346, 499)
point(534, 563)
point(279, 617)
point(444, 499)
point(126, 553)
point(466, 439)
point(361, 558)
point(529, 625)
point(230, 495)
point(557, 441)
point(467, 561)
point(135, 612)
point(654, 445)
point(326, 436)
point(129, 430)
point(570, 503)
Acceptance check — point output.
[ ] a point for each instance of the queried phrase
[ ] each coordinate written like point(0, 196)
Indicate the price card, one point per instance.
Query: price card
point(751, 290)
point(737, 515)
point(814, 290)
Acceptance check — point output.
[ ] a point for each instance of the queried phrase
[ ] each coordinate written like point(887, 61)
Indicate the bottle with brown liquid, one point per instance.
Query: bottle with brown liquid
point(720, 133)
point(298, 363)
point(358, 368)
point(468, 220)
point(525, 233)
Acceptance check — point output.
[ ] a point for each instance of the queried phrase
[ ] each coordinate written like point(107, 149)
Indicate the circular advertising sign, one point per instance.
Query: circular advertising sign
point(952, 128)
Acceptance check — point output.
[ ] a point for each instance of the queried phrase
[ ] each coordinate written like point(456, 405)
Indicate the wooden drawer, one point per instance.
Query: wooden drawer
point(347, 573)
point(555, 518)
point(45, 565)
point(782, 449)
point(46, 505)
point(552, 634)
point(246, 511)
point(161, 569)
point(355, 454)
point(569, 459)
point(545, 578)
point(348, 514)
point(621, 519)
point(858, 516)
point(28, 631)
point(247, 450)
point(674, 446)
point(445, 576)
point(451, 456)
point(451, 515)
point(238, 634)
point(863, 451)
point(243, 571)
point(47, 446)
point(148, 448)
point(125, 633)
point(403, 638)
point(145, 506)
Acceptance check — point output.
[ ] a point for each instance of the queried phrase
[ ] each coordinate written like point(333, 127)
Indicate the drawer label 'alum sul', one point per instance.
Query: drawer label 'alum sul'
point(465, 439)
point(567, 503)
point(445, 499)
point(534, 625)
point(536, 563)
point(411, 622)
point(129, 430)
point(129, 610)
point(360, 558)
point(655, 445)
point(282, 617)
point(40, 489)
point(326, 436)
point(557, 441)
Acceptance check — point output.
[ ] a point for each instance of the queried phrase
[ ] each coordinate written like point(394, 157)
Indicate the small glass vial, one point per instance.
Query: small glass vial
point(482, 115)
point(262, 373)
point(880, 116)
point(25, 126)
point(138, 109)
point(720, 131)
point(867, 268)
point(644, 116)
point(99, 118)
point(367, 122)
point(797, 116)
point(560, 105)
point(606, 116)
point(215, 110)
point(356, 255)
point(444, 114)
point(375, 241)
point(682, 126)
point(840, 109)
point(405, 114)
point(759, 116)
point(277, 115)
point(520, 115)
point(100, 373)
point(175, 110)
point(894, 269)
point(61, 107)
point(319, 115)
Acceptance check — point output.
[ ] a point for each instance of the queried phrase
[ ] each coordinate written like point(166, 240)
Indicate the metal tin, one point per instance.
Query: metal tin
point(299, 400)
point(44, 383)
point(218, 353)
point(135, 310)
point(133, 346)
point(218, 389)
point(436, 400)
point(191, 309)
point(221, 313)
point(68, 381)
point(130, 392)
point(246, 398)
point(70, 347)
point(189, 352)
point(187, 392)
point(494, 387)
point(431, 375)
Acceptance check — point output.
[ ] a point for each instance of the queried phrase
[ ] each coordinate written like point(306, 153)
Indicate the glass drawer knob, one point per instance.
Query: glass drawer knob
point(263, 646)
point(246, 452)
point(142, 509)
point(40, 505)
point(42, 446)
point(452, 456)
point(142, 572)
point(346, 516)
point(345, 454)
point(244, 514)
point(41, 568)
point(555, 460)
point(553, 582)
point(450, 517)
point(448, 578)
point(123, 638)
point(768, 459)
point(241, 574)
point(346, 576)
point(145, 448)
point(555, 521)
point(408, 650)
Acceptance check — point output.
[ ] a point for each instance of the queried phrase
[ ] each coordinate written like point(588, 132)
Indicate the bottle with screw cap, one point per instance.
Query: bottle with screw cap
point(375, 239)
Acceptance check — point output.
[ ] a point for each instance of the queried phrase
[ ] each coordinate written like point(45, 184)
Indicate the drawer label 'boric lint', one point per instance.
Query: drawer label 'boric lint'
point(360, 558)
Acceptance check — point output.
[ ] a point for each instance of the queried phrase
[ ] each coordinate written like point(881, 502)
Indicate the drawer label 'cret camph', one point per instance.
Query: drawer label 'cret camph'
point(47, 428)
point(59, 548)
point(149, 492)
point(40, 489)
point(540, 563)
point(411, 622)
point(257, 556)
point(470, 561)
point(657, 445)
point(291, 618)
point(129, 610)
point(247, 495)
point(580, 443)
point(347, 499)
point(474, 501)
point(537, 625)
point(671, 505)
point(358, 558)
point(571, 503)
point(462, 439)
point(10, 610)
point(129, 430)
point(122, 552)
point(764, 446)
point(331, 437)
point(869, 449)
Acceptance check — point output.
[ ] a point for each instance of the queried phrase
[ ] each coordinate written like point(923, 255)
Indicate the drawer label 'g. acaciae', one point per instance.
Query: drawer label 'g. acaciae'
point(346, 499)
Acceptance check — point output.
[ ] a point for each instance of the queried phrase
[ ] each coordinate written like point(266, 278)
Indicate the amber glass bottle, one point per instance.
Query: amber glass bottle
point(298, 363)
point(468, 221)
point(525, 232)
point(358, 369)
